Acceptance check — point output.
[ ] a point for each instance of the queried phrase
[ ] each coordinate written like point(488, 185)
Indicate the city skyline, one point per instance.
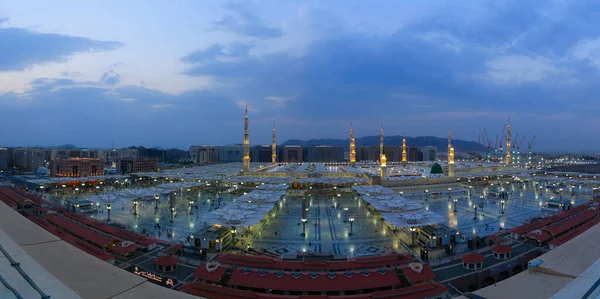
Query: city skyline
point(95, 73)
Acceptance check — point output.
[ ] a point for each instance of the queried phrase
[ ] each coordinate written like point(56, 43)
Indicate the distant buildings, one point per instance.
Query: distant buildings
point(429, 153)
point(291, 153)
point(414, 154)
point(324, 153)
point(76, 167)
point(231, 153)
point(4, 158)
point(29, 159)
point(126, 166)
point(393, 153)
point(261, 153)
point(201, 154)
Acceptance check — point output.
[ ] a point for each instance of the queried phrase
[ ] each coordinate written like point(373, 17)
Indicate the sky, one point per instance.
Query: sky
point(179, 73)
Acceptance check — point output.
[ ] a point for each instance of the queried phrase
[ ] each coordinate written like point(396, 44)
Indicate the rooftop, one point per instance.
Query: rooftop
point(568, 271)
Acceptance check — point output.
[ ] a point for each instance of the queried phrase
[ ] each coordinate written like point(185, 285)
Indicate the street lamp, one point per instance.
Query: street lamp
point(455, 201)
point(351, 227)
point(303, 226)
point(412, 234)
point(345, 214)
point(502, 203)
point(108, 208)
point(426, 194)
point(449, 190)
point(156, 198)
point(135, 206)
point(475, 208)
point(172, 212)
point(191, 207)
point(401, 193)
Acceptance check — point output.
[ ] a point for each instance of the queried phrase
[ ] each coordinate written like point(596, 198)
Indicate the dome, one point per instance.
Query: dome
point(436, 169)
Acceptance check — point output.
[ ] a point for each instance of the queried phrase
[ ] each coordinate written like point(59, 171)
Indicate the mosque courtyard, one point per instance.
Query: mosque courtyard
point(339, 221)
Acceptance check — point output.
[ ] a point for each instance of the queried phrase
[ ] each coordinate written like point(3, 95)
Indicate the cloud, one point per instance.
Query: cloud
point(71, 74)
point(128, 99)
point(161, 106)
point(517, 69)
point(245, 23)
point(218, 50)
point(111, 78)
point(22, 48)
point(467, 66)
point(588, 50)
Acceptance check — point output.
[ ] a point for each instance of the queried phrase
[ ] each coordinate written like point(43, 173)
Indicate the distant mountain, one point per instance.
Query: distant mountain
point(420, 141)
point(66, 146)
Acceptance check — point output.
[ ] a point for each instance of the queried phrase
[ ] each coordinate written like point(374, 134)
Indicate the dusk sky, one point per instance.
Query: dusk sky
point(177, 73)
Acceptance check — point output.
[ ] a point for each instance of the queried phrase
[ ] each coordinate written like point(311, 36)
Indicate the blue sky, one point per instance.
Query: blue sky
point(177, 73)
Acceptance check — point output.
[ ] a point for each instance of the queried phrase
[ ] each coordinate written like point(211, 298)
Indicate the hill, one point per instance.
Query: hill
point(419, 141)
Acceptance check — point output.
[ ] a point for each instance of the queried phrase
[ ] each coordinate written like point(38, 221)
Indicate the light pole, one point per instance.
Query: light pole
point(502, 203)
point(108, 208)
point(449, 190)
point(345, 214)
point(172, 212)
point(475, 208)
point(351, 227)
point(401, 193)
point(455, 201)
point(426, 194)
point(135, 207)
point(412, 234)
point(191, 207)
point(303, 226)
point(156, 198)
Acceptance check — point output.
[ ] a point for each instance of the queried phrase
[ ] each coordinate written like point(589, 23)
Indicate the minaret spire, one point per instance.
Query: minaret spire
point(404, 161)
point(450, 155)
point(380, 142)
point(274, 148)
point(246, 143)
point(352, 147)
point(508, 143)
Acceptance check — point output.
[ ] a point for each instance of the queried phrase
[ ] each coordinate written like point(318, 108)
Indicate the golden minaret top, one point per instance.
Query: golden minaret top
point(246, 143)
point(404, 160)
point(381, 143)
point(352, 147)
point(274, 148)
point(508, 143)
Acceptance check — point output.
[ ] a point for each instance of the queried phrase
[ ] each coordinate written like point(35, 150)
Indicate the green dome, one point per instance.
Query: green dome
point(436, 169)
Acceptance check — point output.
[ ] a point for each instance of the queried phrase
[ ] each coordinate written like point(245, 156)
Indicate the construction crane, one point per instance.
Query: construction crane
point(529, 145)
point(519, 142)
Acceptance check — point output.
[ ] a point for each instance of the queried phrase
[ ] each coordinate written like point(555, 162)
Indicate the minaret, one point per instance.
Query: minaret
point(508, 144)
point(274, 148)
point(450, 155)
point(246, 143)
point(404, 161)
point(380, 143)
point(383, 167)
point(352, 148)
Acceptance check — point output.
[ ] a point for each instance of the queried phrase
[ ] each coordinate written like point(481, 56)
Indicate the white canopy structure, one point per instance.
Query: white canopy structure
point(333, 180)
point(395, 209)
point(248, 209)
